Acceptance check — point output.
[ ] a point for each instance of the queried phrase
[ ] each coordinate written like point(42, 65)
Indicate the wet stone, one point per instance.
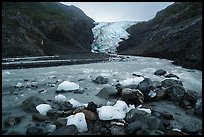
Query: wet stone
point(166, 115)
point(60, 122)
point(173, 132)
point(13, 133)
point(160, 72)
point(146, 132)
point(101, 80)
point(134, 96)
point(89, 116)
point(135, 126)
point(66, 130)
point(30, 103)
point(52, 113)
point(65, 105)
point(40, 117)
point(160, 95)
point(171, 76)
point(117, 130)
point(146, 85)
point(91, 106)
point(107, 92)
point(12, 120)
point(171, 82)
point(34, 131)
point(154, 123)
point(135, 114)
point(175, 92)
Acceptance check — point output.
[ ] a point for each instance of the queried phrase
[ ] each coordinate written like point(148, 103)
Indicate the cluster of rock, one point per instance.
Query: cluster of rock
point(137, 120)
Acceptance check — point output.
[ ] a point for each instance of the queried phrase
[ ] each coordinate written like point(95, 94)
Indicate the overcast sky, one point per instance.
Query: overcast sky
point(120, 11)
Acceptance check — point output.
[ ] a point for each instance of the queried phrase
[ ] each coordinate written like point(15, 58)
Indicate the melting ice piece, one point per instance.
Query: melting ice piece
point(152, 94)
point(43, 108)
point(60, 98)
point(19, 85)
point(131, 81)
point(78, 120)
point(76, 103)
point(144, 109)
point(67, 86)
point(118, 111)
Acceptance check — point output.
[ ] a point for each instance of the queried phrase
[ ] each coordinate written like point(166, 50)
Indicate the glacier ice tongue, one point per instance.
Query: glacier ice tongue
point(107, 35)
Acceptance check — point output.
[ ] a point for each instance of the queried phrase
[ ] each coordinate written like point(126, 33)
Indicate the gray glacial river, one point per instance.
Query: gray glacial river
point(83, 75)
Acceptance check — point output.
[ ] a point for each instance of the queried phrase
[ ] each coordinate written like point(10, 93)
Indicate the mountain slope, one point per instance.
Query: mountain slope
point(44, 28)
point(174, 33)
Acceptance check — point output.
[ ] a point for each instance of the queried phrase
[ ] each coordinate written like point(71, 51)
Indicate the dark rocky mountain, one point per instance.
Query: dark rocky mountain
point(44, 28)
point(174, 33)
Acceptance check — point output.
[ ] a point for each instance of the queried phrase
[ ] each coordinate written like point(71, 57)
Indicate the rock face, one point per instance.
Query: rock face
point(44, 28)
point(175, 33)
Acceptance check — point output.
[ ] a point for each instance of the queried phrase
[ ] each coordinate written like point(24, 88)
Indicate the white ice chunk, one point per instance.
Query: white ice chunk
point(176, 129)
point(66, 85)
point(152, 94)
point(43, 108)
point(60, 98)
point(76, 103)
point(118, 111)
point(144, 109)
point(51, 128)
point(78, 120)
point(19, 85)
point(7, 72)
point(131, 81)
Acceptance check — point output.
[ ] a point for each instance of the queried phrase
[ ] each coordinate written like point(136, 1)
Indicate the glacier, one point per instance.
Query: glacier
point(107, 35)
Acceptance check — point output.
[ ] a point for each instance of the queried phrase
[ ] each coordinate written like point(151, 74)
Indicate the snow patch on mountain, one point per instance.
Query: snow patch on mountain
point(107, 35)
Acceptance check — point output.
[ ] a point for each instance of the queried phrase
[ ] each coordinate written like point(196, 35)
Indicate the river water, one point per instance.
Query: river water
point(85, 73)
point(115, 70)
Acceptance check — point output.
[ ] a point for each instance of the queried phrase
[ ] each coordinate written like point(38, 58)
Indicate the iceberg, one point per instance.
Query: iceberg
point(118, 111)
point(43, 108)
point(68, 86)
point(78, 120)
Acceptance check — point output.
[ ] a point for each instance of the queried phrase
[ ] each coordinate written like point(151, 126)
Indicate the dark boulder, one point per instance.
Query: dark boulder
point(171, 76)
point(34, 131)
point(101, 80)
point(30, 103)
point(66, 130)
point(175, 93)
point(171, 82)
point(107, 92)
point(11, 121)
point(134, 96)
point(160, 72)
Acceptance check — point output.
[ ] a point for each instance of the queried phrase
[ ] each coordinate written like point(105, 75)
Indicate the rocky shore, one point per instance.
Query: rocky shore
point(141, 106)
point(58, 60)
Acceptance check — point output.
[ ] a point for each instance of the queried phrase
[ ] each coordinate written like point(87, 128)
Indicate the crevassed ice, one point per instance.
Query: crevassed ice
point(107, 35)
